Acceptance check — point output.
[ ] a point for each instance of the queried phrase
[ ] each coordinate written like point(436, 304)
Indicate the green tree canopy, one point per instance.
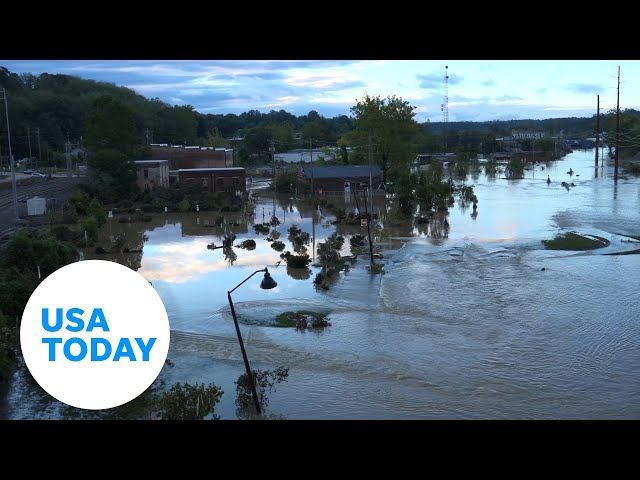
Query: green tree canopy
point(313, 132)
point(282, 136)
point(113, 173)
point(386, 128)
point(111, 126)
point(214, 139)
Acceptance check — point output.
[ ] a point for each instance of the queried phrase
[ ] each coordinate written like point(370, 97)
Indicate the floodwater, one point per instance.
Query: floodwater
point(480, 322)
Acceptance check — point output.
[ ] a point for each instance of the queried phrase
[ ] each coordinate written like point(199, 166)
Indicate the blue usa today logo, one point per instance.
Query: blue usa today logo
point(100, 347)
point(95, 334)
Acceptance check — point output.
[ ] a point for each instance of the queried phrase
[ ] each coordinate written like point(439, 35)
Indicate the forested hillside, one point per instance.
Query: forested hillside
point(46, 111)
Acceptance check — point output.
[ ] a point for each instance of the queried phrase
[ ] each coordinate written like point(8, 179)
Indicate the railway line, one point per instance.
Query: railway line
point(52, 188)
point(55, 190)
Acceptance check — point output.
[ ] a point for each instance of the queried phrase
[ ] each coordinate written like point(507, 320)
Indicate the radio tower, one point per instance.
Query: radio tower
point(445, 105)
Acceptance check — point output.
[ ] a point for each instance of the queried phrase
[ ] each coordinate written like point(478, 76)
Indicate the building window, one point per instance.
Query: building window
point(236, 181)
point(220, 181)
point(205, 183)
point(146, 173)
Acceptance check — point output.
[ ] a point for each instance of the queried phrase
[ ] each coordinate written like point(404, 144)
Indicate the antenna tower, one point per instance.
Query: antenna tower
point(445, 103)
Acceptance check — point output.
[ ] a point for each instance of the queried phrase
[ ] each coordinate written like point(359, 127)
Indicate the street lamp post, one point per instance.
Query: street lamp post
point(267, 283)
point(368, 216)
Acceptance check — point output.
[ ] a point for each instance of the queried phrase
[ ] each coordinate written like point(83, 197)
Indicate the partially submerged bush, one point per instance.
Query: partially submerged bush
point(278, 246)
point(249, 244)
point(303, 319)
point(262, 228)
point(264, 380)
point(296, 261)
point(189, 402)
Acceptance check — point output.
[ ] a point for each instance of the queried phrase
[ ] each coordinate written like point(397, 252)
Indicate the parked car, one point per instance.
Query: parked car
point(38, 174)
point(29, 171)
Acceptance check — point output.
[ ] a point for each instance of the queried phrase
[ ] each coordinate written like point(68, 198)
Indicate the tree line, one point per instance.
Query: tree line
point(47, 111)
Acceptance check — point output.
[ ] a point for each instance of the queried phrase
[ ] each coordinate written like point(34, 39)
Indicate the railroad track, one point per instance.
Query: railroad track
point(47, 189)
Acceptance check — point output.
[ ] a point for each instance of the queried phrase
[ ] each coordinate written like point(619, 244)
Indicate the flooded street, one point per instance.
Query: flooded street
point(482, 323)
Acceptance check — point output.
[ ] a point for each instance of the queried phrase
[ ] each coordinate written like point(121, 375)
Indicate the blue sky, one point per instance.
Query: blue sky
point(477, 90)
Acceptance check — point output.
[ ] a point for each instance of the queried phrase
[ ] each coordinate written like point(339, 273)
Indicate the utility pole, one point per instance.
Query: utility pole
point(273, 161)
point(67, 152)
point(39, 149)
point(597, 130)
point(370, 176)
point(313, 192)
point(615, 169)
point(368, 216)
point(14, 190)
point(29, 137)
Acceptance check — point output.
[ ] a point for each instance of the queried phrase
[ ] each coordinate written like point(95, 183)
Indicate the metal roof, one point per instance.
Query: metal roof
point(341, 171)
point(219, 169)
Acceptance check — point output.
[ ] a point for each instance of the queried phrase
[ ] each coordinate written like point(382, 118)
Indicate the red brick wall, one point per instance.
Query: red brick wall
point(218, 181)
point(180, 157)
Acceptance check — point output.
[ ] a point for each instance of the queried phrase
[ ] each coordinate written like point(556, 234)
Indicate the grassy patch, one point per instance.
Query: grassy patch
point(346, 259)
point(376, 268)
point(575, 241)
point(285, 321)
point(292, 319)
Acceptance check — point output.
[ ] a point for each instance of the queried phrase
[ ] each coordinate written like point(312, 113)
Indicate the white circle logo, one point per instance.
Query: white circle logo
point(95, 334)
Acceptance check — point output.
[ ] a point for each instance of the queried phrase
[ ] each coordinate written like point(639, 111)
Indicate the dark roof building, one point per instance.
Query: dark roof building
point(341, 178)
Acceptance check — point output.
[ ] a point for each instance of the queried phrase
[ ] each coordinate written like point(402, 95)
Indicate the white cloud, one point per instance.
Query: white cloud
point(324, 79)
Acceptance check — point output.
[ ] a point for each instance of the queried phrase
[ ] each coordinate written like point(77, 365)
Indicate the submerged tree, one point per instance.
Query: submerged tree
point(265, 382)
point(432, 190)
point(189, 402)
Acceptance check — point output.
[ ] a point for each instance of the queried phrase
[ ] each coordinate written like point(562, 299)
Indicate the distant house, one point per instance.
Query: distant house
point(152, 174)
point(341, 178)
point(229, 180)
point(527, 134)
point(508, 144)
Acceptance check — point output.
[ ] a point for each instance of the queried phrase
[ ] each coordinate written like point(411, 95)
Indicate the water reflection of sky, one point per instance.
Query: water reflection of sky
point(193, 280)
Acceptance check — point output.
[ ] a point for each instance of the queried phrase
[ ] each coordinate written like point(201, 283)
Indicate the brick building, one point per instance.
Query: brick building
point(228, 180)
point(180, 157)
point(152, 174)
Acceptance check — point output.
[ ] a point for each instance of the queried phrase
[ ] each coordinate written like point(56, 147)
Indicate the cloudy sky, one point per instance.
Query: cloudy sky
point(477, 90)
